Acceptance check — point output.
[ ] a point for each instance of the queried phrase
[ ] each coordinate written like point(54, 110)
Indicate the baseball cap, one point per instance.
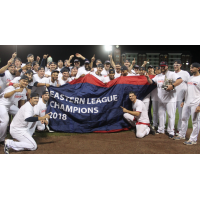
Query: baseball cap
point(45, 92)
point(29, 71)
point(29, 55)
point(34, 94)
point(100, 65)
point(150, 66)
point(124, 68)
point(127, 60)
point(52, 63)
point(55, 71)
point(178, 61)
point(87, 62)
point(24, 77)
point(28, 63)
point(60, 61)
point(64, 69)
point(157, 67)
point(34, 63)
point(111, 71)
point(197, 65)
point(107, 61)
point(141, 68)
point(111, 67)
point(76, 60)
point(163, 63)
point(136, 66)
point(41, 68)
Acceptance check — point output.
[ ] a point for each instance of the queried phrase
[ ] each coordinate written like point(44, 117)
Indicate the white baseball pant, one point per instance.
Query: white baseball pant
point(170, 107)
point(178, 105)
point(155, 113)
point(186, 112)
point(147, 105)
point(39, 125)
point(141, 129)
point(25, 141)
point(4, 119)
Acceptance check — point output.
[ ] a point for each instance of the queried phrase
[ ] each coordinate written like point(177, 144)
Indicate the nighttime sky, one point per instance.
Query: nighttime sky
point(64, 51)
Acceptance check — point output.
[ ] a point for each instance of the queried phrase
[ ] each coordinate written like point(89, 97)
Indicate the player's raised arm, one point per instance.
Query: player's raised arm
point(148, 79)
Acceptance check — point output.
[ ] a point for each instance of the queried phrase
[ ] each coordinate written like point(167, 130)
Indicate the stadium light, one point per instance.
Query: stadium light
point(108, 48)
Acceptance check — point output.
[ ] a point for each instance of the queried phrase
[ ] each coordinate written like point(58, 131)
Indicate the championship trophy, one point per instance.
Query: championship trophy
point(167, 82)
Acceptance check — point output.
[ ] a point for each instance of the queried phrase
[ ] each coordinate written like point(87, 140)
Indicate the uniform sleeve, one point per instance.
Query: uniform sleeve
point(44, 80)
point(24, 96)
point(106, 79)
point(36, 110)
point(155, 79)
point(28, 113)
point(139, 107)
point(175, 77)
point(15, 80)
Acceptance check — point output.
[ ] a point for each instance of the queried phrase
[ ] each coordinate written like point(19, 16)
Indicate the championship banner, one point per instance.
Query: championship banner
point(87, 105)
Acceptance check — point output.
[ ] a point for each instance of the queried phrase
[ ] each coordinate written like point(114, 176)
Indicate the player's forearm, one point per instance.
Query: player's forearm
point(134, 113)
point(178, 82)
point(22, 102)
point(3, 69)
point(36, 84)
point(9, 94)
point(149, 80)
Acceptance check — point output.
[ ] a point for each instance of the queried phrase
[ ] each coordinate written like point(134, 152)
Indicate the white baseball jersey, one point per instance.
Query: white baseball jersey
point(82, 71)
point(62, 82)
point(140, 107)
point(38, 90)
point(48, 81)
point(7, 102)
point(163, 95)
point(182, 88)
point(117, 74)
point(6, 79)
point(100, 77)
point(104, 72)
point(16, 80)
point(40, 108)
point(192, 96)
point(154, 95)
point(18, 123)
point(106, 79)
point(48, 73)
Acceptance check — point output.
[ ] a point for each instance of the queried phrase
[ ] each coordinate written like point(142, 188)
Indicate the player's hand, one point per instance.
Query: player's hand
point(45, 56)
point(110, 56)
point(16, 85)
point(146, 75)
point(10, 62)
point(124, 109)
point(46, 75)
point(47, 116)
point(58, 85)
point(42, 121)
point(19, 90)
point(82, 75)
point(182, 104)
point(93, 58)
point(197, 109)
point(133, 62)
point(14, 55)
point(92, 70)
point(71, 57)
point(38, 59)
point(145, 62)
point(46, 122)
point(169, 87)
point(78, 55)
point(47, 85)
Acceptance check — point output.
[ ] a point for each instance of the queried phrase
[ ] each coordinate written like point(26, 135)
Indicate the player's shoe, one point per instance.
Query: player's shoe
point(49, 129)
point(152, 131)
point(159, 133)
point(171, 136)
point(179, 138)
point(189, 142)
point(177, 133)
point(6, 148)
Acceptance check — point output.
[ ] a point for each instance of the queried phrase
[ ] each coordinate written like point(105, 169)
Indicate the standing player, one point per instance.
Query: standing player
point(98, 74)
point(20, 127)
point(65, 76)
point(9, 98)
point(167, 97)
point(138, 117)
point(180, 90)
point(110, 77)
point(82, 71)
point(191, 106)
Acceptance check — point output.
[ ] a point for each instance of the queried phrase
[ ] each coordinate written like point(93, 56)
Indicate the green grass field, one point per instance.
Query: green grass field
point(45, 134)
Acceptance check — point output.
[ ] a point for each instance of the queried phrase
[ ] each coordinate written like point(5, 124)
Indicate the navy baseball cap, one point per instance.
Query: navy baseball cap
point(41, 68)
point(87, 62)
point(111, 71)
point(55, 71)
point(141, 68)
point(157, 67)
point(107, 61)
point(136, 66)
point(28, 63)
point(197, 65)
point(178, 61)
point(100, 65)
point(124, 68)
point(24, 77)
point(52, 63)
point(34, 94)
point(76, 60)
point(45, 92)
point(150, 66)
point(163, 63)
point(29, 55)
point(29, 71)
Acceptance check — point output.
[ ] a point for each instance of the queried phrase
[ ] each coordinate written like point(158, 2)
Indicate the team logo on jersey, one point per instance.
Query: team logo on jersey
point(18, 96)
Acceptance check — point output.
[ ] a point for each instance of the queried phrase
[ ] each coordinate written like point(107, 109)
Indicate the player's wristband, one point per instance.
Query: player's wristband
point(173, 86)
point(11, 84)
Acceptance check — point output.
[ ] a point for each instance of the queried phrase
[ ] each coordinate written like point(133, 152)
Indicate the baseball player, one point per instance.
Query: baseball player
point(166, 96)
point(124, 71)
point(191, 106)
point(106, 68)
point(180, 90)
point(110, 77)
point(9, 98)
point(138, 117)
point(35, 67)
point(74, 72)
point(65, 76)
point(98, 74)
point(52, 68)
point(40, 110)
point(82, 71)
point(20, 127)
point(60, 65)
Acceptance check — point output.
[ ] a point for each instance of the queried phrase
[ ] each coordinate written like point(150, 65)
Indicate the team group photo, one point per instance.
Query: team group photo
point(125, 101)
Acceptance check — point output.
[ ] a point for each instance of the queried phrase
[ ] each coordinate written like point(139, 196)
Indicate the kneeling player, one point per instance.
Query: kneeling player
point(20, 127)
point(138, 117)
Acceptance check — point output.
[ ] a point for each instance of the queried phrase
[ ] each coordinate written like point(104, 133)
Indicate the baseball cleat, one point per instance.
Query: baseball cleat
point(152, 131)
point(189, 142)
point(177, 133)
point(179, 138)
point(171, 136)
point(49, 129)
point(6, 148)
